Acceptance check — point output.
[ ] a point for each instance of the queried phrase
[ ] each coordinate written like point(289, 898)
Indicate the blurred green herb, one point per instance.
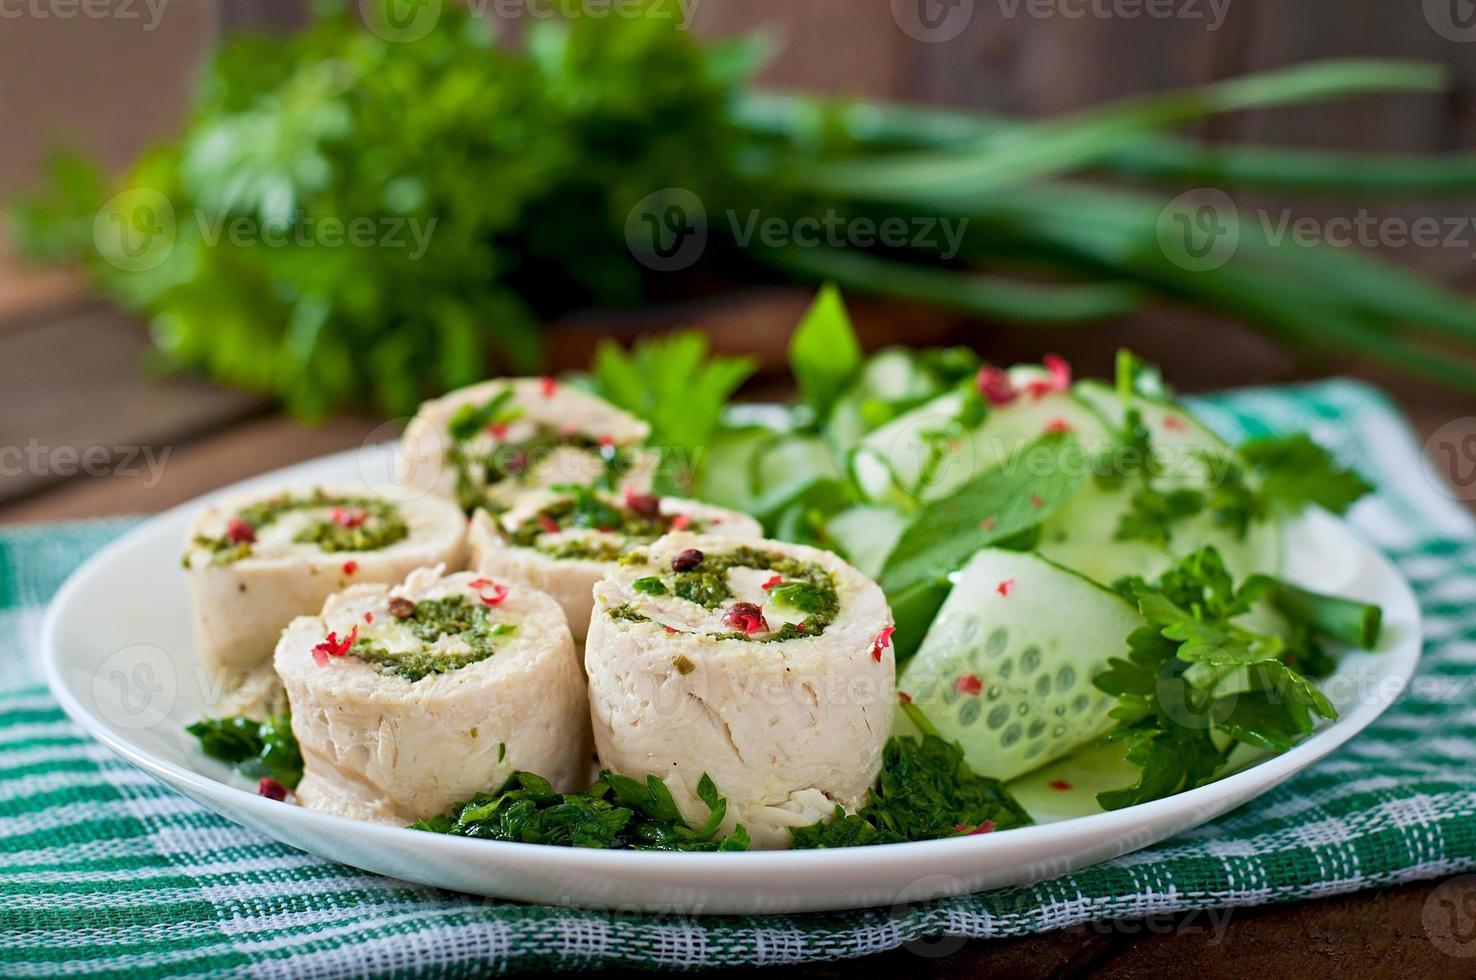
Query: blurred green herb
point(476, 190)
point(1295, 471)
point(677, 385)
point(824, 353)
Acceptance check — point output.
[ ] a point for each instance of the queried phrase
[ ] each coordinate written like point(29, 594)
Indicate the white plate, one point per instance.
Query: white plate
point(118, 656)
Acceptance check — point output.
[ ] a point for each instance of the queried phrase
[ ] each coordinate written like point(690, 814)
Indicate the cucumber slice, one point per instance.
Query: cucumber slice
point(1175, 432)
point(725, 467)
point(890, 376)
point(1081, 535)
point(930, 452)
point(790, 460)
point(1034, 653)
point(867, 534)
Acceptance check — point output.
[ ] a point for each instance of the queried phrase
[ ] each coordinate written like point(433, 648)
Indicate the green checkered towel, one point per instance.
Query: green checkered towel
point(105, 871)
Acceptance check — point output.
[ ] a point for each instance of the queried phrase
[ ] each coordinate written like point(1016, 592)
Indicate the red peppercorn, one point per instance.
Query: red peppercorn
point(645, 504)
point(271, 789)
point(995, 385)
point(745, 616)
point(688, 560)
point(239, 532)
point(349, 516)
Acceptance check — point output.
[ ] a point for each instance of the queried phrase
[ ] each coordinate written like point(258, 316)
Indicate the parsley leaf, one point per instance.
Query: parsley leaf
point(615, 812)
point(1152, 514)
point(998, 504)
point(677, 385)
point(824, 353)
point(1295, 471)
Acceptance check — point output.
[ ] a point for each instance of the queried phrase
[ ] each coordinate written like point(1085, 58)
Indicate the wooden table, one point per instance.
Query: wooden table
point(70, 377)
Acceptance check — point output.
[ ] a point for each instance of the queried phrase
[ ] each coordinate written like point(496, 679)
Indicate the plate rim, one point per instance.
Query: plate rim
point(693, 867)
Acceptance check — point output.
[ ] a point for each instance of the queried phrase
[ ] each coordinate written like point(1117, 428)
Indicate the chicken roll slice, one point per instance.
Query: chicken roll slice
point(256, 562)
point(482, 446)
point(565, 541)
point(765, 665)
point(410, 698)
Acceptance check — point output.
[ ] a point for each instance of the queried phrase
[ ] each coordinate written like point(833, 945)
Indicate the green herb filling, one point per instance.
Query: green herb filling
point(804, 587)
point(377, 524)
point(476, 473)
point(432, 619)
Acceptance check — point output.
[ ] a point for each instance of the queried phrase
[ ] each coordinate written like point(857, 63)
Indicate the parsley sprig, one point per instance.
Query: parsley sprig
point(1202, 676)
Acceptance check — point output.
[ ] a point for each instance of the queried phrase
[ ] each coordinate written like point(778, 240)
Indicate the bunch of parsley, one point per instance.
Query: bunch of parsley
point(495, 186)
point(490, 186)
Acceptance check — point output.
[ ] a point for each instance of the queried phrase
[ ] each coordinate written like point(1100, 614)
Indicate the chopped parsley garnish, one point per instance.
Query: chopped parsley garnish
point(805, 597)
point(471, 419)
point(256, 748)
point(615, 812)
point(925, 791)
point(477, 473)
point(432, 619)
point(1197, 680)
point(650, 585)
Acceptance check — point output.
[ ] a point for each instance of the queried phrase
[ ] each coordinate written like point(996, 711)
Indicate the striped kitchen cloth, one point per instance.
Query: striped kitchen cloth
point(104, 871)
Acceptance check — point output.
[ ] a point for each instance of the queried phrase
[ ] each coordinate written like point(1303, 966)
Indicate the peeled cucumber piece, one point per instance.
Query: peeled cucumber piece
point(890, 375)
point(932, 451)
point(1174, 431)
point(1081, 535)
point(866, 535)
point(724, 478)
point(1006, 668)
